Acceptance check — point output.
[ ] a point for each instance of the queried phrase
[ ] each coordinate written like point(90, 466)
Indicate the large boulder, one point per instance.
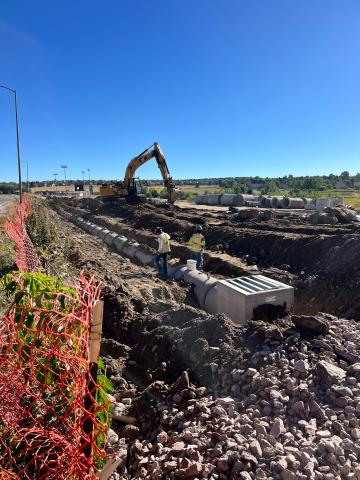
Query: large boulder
point(329, 374)
point(323, 218)
point(316, 324)
point(343, 214)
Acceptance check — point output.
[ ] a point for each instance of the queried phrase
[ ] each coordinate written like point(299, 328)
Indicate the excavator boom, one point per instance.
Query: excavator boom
point(128, 188)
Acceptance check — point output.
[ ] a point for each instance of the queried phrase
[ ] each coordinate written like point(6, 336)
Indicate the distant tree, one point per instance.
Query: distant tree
point(345, 175)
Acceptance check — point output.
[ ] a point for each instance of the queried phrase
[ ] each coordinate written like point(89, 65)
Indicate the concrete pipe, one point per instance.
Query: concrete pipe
point(144, 258)
point(119, 243)
point(87, 226)
point(92, 228)
point(296, 202)
point(202, 290)
point(211, 300)
point(336, 201)
point(243, 198)
point(322, 203)
point(268, 203)
point(110, 238)
point(195, 277)
point(130, 248)
point(262, 200)
point(103, 233)
point(212, 199)
point(173, 269)
point(309, 203)
point(276, 201)
point(228, 199)
point(178, 275)
point(98, 230)
point(199, 199)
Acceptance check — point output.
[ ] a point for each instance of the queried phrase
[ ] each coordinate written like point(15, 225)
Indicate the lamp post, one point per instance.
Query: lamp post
point(83, 173)
point(55, 175)
point(64, 167)
point(27, 175)
point(89, 176)
point(17, 138)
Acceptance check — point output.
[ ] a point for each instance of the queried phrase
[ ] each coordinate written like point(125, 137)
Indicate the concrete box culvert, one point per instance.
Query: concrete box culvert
point(237, 297)
point(144, 258)
point(110, 238)
point(119, 243)
point(130, 248)
point(296, 202)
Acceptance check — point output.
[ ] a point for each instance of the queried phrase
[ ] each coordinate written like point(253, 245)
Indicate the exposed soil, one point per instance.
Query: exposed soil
point(321, 262)
point(172, 364)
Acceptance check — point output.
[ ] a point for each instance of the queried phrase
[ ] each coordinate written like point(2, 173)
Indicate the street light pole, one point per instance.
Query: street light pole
point(64, 167)
point(27, 175)
point(17, 138)
point(83, 172)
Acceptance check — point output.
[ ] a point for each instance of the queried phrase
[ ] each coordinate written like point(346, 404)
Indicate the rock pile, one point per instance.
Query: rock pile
point(285, 406)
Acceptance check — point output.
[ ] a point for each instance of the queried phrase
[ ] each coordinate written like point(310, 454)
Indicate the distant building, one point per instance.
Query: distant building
point(341, 185)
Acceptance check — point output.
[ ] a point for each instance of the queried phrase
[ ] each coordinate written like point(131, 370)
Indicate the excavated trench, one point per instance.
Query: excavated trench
point(321, 262)
point(154, 332)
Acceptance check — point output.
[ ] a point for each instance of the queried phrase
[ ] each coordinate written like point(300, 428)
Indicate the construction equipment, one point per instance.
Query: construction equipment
point(130, 189)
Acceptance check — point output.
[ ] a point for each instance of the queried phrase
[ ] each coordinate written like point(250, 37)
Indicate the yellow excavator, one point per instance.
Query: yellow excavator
point(130, 189)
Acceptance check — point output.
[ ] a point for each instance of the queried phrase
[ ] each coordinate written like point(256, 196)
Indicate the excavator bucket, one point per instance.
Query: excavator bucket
point(174, 194)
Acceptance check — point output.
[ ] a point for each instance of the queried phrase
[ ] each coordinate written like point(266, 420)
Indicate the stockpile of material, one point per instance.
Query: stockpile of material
point(283, 405)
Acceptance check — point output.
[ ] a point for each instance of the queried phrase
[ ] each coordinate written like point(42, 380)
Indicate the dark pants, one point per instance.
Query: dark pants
point(198, 256)
point(162, 263)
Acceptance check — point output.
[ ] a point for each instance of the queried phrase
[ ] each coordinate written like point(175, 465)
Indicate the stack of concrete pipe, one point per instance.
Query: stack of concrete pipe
point(227, 199)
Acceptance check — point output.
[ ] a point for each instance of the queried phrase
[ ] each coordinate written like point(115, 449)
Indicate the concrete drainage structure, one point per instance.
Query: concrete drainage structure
point(236, 297)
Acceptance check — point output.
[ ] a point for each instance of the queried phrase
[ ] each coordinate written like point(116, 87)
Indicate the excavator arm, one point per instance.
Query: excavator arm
point(145, 156)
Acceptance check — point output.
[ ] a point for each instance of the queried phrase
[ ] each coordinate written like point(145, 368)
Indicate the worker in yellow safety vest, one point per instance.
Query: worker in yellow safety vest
point(197, 246)
point(163, 252)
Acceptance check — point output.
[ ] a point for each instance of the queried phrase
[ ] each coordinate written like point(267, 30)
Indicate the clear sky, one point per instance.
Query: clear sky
point(227, 87)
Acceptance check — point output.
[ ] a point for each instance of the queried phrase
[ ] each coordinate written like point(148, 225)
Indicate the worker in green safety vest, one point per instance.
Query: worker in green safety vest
point(197, 246)
point(162, 256)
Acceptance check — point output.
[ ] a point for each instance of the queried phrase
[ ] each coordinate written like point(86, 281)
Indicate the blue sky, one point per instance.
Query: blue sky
point(228, 88)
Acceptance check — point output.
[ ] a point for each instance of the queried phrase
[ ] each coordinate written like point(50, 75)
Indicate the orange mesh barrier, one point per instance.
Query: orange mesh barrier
point(26, 257)
point(44, 374)
point(53, 417)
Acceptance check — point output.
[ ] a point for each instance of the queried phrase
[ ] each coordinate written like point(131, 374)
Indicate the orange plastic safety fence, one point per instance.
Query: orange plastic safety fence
point(26, 257)
point(44, 379)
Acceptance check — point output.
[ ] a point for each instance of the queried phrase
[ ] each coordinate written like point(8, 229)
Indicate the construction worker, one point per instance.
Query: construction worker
point(197, 245)
point(163, 251)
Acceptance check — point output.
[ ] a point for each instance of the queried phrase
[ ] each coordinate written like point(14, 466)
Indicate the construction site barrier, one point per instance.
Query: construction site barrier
point(54, 409)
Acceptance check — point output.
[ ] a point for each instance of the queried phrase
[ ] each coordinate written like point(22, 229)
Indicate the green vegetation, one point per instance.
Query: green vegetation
point(46, 347)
